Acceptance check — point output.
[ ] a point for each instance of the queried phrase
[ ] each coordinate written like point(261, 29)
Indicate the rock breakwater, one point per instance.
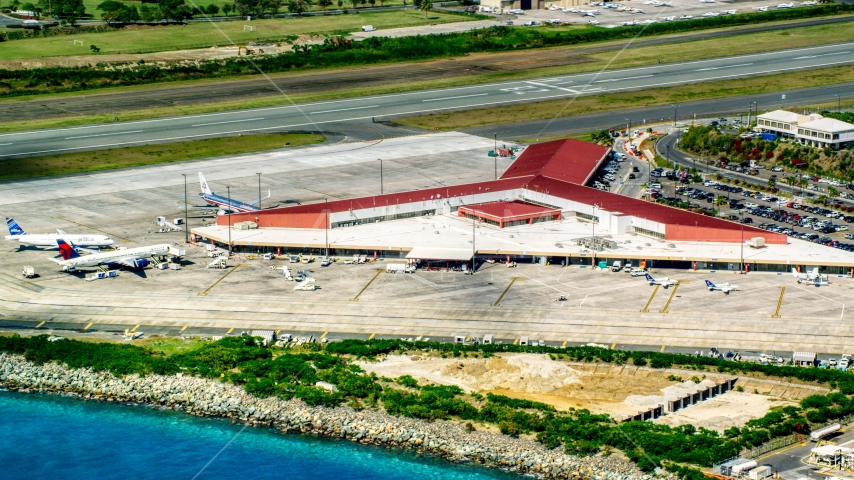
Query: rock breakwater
point(203, 397)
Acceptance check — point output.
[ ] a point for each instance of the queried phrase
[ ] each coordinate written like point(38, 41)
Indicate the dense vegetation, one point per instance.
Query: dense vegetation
point(284, 374)
point(716, 145)
point(339, 52)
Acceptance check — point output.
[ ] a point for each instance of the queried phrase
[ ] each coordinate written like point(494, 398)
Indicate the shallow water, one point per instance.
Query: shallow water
point(55, 437)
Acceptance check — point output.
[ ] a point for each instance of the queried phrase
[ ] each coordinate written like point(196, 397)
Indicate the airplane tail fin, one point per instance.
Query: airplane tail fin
point(649, 278)
point(205, 189)
point(710, 284)
point(794, 272)
point(814, 273)
point(67, 250)
point(14, 228)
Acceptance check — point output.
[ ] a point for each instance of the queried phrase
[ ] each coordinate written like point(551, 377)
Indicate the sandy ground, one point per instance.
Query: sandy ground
point(613, 391)
point(725, 411)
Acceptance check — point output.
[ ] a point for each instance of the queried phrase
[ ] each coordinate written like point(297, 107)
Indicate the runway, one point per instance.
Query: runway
point(322, 116)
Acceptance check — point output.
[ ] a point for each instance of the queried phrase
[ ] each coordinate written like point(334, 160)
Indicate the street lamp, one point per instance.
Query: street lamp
point(628, 125)
point(675, 112)
point(228, 188)
point(186, 219)
point(381, 176)
point(259, 190)
point(838, 103)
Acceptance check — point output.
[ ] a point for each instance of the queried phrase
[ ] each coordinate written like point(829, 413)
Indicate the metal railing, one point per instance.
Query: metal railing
point(775, 444)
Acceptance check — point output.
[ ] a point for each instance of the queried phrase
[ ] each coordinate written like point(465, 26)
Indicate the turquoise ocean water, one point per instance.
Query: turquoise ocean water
point(53, 437)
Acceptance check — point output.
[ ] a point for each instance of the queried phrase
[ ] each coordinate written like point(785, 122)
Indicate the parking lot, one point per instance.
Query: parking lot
point(645, 11)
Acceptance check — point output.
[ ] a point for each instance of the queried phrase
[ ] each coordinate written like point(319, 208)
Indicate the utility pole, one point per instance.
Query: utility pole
point(186, 218)
point(838, 103)
point(259, 191)
point(228, 188)
point(381, 176)
point(675, 113)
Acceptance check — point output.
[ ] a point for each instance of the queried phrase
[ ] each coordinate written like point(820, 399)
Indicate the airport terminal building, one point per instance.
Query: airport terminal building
point(538, 210)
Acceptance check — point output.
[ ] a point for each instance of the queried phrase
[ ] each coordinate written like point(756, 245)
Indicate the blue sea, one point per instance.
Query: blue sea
point(53, 437)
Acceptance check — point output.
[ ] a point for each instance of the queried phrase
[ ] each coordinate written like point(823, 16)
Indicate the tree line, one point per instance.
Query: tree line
point(288, 374)
point(338, 52)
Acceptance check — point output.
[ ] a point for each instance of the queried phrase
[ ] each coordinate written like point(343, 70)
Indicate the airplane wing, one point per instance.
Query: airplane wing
point(133, 262)
point(269, 194)
point(61, 232)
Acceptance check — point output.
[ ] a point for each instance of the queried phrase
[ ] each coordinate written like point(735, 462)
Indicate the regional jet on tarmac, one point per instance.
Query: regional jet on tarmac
point(225, 204)
point(664, 282)
point(49, 240)
point(724, 287)
point(136, 258)
point(812, 275)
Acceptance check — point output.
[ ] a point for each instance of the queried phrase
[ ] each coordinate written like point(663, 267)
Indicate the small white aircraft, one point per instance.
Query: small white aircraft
point(629, 24)
point(819, 281)
point(669, 19)
point(785, 5)
point(729, 12)
point(48, 240)
point(707, 1)
point(686, 17)
point(711, 14)
point(664, 282)
point(663, 4)
point(812, 275)
point(761, 9)
point(812, 2)
point(724, 287)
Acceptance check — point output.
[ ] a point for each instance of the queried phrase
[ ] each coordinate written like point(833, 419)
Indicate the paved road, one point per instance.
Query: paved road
point(320, 116)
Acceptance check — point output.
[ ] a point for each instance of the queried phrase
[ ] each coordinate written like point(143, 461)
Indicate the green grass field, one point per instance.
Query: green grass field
point(143, 38)
point(92, 5)
point(617, 101)
point(79, 162)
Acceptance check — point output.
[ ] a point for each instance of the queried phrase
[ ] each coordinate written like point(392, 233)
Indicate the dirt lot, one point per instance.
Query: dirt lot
point(618, 391)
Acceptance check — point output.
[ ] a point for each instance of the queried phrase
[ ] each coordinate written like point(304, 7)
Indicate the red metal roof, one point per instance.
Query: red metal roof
point(508, 209)
point(569, 160)
point(396, 198)
point(639, 208)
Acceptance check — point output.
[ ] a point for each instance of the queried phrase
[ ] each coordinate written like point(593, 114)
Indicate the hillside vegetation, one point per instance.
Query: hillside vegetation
point(286, 374)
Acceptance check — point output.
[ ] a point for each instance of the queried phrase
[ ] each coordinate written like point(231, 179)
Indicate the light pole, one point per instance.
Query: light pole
point(228, 188)
point(593, 220)
point(741, 214)
point(186, 218)
point(381, 176)
point(473, 249)
point(628, 125)
point(259, 191)
point(838, 103)
point(326, 209)
point(675, 112)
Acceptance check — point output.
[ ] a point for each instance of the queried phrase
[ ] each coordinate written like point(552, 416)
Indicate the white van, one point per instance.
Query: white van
point(369, 28)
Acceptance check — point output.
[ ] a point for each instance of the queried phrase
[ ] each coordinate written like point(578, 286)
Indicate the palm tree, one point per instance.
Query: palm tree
point(426, 5)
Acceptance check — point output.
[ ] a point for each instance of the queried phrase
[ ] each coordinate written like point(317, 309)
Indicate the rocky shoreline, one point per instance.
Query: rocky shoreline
point(203, 397)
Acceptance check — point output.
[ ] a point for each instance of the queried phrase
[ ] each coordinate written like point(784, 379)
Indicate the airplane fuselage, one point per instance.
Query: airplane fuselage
point(49, 240)
point(228, 204)
point(123, 257)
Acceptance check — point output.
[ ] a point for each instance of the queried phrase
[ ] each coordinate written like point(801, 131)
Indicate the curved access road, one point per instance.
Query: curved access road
point(321, 115)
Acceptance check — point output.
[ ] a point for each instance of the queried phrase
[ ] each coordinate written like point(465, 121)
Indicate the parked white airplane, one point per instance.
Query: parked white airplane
point(729, 12)
point(711, 14)
point(669, 19)
point(130, 257)
point(811, 2)
point(707, 1)
point(785, 5)
point(724, 287)
point(819, 281)
point(812, 275)
point(48, 240)
point(761, 9)
point(664, 282)
point(629, 24)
